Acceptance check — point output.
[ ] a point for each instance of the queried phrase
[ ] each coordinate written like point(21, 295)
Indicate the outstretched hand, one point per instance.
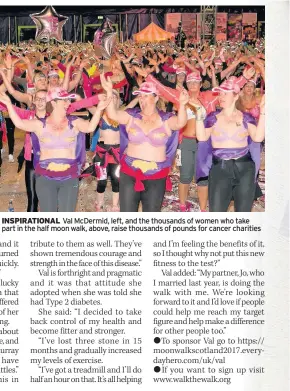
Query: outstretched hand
point(8, 61)
point(106, 84)
point(249, 73)
point(184, 97)
point(103, 103)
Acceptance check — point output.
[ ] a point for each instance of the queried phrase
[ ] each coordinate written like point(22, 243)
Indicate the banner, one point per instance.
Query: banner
point(249, 26)
point(171, 22)
point(235, 27)
point(189, 25)
point(221, 26)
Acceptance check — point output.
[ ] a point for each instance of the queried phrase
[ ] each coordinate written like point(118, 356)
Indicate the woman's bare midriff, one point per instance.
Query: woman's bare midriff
point(146, 151)
point(229, 144)
point(190, 128)
point(110, 137)
point(68, 153)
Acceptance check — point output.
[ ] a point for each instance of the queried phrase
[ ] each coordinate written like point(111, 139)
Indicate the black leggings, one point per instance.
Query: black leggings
point(10, 135)
point(151, 197)
point(88, 141)
point(111, 172)
point(32, 199)
point(232, 179)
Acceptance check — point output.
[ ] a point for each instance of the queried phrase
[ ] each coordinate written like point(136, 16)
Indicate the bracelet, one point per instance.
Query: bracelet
point(199, 119)
point(262, 114)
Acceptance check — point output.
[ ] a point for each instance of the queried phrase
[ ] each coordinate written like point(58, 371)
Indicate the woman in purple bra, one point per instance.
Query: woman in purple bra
point(59, 150)
point(233, 142)
point(148, 145)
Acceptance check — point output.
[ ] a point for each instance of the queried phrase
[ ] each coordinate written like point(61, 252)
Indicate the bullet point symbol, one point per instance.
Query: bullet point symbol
point(156, 369)
point(157, 340)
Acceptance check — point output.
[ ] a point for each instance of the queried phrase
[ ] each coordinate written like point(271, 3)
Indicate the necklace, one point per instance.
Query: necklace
point(58, 127)
point(232, 118)
point(151, 118)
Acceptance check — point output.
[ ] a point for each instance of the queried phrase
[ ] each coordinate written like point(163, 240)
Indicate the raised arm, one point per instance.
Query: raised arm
point(257, 133)
point(127, 60)
point(202, 133)
point(131, 80)
point(26, 125)
point(75, 82)
point(20, 96)
point(67, 74)
point(213, 76)
point(10, 67)
point(116, 115)
point(2, 86)
point(132, 104)
point(190, 66)
point(162, 79)
point(229, 69)
point(8, 77)
point(261, 65)
point(178, 121)
point(29, 67)
point(90, 126)
point(199, 60)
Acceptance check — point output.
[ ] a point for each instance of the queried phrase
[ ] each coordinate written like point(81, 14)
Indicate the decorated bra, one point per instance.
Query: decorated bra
point(58, 168)
point(58, 140)
point(219, 135)
point(171, 141)
point(206, 151)
point(108, 125)
point(157, 137)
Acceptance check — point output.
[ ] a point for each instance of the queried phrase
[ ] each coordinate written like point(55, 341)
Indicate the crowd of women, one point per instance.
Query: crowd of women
point(147, 109)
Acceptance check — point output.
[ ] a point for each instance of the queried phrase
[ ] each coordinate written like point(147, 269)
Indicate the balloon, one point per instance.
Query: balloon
point(105, 38)
point(108, 42)
point(105, 28)
point(49, 24)
point(98, 37)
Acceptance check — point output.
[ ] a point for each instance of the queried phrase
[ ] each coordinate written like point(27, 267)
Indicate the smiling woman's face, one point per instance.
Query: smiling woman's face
point(40, 83)
point(249, 88)
point(146, 100)
point(53, 81)
point(40, 100)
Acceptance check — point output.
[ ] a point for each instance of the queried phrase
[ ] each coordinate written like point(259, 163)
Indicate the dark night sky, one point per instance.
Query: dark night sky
point(85, 10)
